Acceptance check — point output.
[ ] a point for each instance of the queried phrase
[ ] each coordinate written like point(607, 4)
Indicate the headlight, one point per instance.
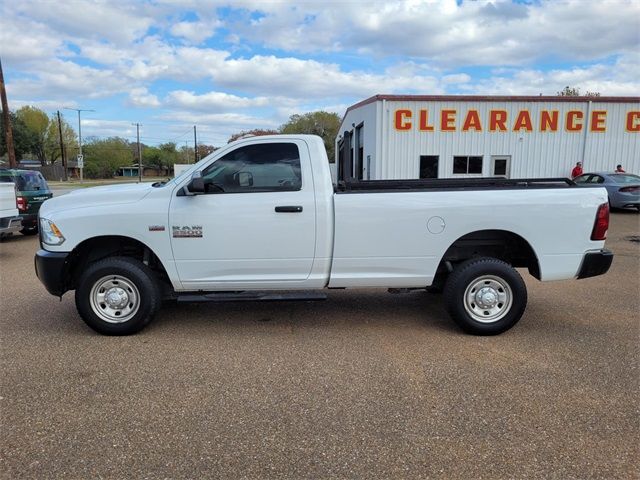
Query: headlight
point(50, 233)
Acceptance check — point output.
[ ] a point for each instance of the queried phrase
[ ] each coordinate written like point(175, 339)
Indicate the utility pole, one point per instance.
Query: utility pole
point(195, 145)
point(139, 152)
point(80, 157)
point(8, 131)
point(62, 152)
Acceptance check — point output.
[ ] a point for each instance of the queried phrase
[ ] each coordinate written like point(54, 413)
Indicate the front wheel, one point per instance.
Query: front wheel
point(485, 296)
point(117, 296)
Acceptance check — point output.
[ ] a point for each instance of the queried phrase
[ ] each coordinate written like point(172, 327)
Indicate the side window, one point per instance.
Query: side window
point(582, 179)
point(265, 167)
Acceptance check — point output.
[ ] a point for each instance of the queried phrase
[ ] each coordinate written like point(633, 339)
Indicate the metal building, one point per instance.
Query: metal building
point(419, 136)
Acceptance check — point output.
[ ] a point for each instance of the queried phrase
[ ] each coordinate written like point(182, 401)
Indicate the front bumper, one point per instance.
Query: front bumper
point(51, 268)
point(595, 263)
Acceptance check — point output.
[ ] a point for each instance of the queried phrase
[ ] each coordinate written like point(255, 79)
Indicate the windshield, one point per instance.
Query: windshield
point(626, 178)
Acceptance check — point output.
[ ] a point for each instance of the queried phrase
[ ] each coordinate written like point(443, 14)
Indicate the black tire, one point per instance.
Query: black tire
point(29, 231)
point(504, 287)
point(128, 275)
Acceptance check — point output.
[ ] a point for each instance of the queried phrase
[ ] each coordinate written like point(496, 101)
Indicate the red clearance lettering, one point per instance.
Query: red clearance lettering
point(523, 120)
point(633, 122)
point(472, 120)
point(401, 123)
point(424, 122)
point(498, 120)
point(598, 118)
point(572, 116)
point(549, 121)
point(448, 120)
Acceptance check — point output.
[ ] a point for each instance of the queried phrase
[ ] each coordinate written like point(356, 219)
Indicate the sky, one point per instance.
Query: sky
point(232, 66)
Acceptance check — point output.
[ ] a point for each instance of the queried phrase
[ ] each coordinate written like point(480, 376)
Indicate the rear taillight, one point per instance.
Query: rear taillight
point(629, 189)
point(601, 224)
point(21, 203)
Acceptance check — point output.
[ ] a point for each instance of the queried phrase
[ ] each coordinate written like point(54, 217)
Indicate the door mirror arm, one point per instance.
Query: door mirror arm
point(195, 185)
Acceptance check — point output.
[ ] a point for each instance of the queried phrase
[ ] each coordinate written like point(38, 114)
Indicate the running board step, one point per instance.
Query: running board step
point(251, 297)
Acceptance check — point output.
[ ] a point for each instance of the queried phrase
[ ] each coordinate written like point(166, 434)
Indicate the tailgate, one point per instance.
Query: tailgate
point(35, 200)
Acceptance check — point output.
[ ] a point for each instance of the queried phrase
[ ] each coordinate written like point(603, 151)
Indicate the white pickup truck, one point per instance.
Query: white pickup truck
point(260, 219)
point(10, 221)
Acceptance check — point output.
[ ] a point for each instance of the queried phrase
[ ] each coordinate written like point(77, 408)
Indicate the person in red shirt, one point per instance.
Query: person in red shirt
point(577, 170)
point(619, 169)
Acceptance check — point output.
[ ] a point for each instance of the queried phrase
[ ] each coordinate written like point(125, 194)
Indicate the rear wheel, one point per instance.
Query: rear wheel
point(485, 296)
point(117, 296)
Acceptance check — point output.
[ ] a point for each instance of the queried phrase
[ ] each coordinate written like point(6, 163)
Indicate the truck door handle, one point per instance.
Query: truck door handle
point(289, 209)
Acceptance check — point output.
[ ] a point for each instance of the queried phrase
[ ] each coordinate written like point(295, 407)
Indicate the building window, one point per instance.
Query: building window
point(500, 166)
point(467, 165)
point(429, 166)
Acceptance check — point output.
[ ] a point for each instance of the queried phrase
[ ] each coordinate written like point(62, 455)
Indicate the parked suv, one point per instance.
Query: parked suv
point(31, 190)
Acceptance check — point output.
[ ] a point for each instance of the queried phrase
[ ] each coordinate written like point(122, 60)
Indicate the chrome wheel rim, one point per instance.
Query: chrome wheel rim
point(488, 298)
point(115, 299)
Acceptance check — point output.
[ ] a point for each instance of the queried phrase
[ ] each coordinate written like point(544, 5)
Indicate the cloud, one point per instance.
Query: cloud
point(107, 128)
point(618, 79)
point(195, 32)
point(238, 65)
point(140, 97)
point(213, 101)
point(46, 105)
point(116, 21)
point(60, 79)
point(486, 32)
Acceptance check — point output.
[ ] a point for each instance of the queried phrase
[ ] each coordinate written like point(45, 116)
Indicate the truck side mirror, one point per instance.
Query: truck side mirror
point(243, 179)
point(196, 185)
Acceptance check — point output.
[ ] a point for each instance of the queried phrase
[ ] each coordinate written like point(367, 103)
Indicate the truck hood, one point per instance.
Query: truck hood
point(95, 196)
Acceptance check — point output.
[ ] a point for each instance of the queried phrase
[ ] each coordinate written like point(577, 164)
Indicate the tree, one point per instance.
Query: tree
point(204, 150)
point(185, 155)
point(103, 158)
point(37, 123)
point(575, 92)
point(52, 140)
point(323, 124)
point(152, 157)
point(162, 157)
point(257, 132)
point(22, 137)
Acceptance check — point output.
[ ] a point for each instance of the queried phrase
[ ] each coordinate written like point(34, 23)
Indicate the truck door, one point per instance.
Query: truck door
point(255, 227)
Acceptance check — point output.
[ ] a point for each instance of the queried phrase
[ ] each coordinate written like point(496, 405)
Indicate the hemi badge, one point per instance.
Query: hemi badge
point(156, 228)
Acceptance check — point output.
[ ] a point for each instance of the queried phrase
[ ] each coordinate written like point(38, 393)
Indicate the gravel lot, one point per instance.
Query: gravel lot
point(365, 385)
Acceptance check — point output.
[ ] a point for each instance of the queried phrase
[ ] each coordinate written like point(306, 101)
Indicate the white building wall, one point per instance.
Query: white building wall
point(395, 154)
point(372, 136)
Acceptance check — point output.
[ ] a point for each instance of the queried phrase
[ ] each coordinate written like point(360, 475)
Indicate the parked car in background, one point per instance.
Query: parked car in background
point(10, 221)
point(31, 190)
point(623, 188)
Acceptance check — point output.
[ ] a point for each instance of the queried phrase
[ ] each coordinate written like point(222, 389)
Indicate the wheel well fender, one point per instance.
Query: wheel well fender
point(97, 248)
point(502, 244)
